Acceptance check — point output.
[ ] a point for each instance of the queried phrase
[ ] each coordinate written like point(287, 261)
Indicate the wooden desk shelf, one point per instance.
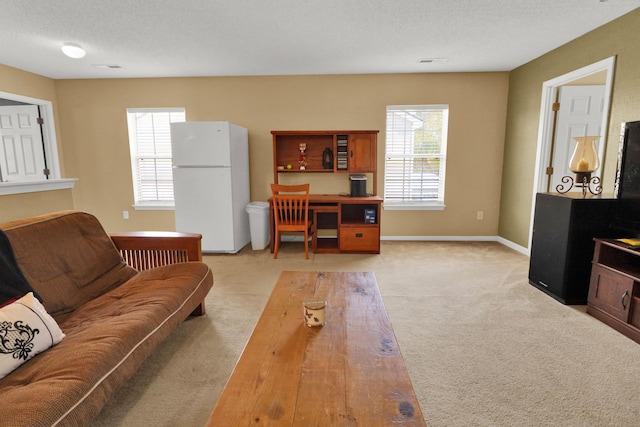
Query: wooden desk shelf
point(353, 151)
point(326, 219)
point(340, 224)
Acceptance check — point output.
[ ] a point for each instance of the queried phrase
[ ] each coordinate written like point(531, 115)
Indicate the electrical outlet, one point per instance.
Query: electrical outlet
point(480, 216)
point(125, 214)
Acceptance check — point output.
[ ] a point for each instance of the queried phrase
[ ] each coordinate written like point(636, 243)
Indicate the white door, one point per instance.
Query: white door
point(580, 114)
point(21, 150)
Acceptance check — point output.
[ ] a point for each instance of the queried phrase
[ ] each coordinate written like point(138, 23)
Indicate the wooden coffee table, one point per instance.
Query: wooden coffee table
point(347, 373)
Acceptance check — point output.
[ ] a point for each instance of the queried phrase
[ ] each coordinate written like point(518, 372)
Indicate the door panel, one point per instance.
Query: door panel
point(362, 155)
point(21, 152)
point(611, 292)
point(580, 114)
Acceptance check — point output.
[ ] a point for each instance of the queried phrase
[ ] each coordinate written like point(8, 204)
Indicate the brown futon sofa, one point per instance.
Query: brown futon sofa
point(111, 314)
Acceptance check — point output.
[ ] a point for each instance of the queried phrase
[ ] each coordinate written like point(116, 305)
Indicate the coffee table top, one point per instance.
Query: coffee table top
point(348, 372)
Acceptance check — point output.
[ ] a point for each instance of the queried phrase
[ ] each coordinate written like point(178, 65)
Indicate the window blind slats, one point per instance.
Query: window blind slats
point(415, 153)
point(150, 139)
point(155, 179)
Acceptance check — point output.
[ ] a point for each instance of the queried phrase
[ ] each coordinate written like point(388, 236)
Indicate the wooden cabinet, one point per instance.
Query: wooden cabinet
point(359, 229)
point(614, 289)
point(362, 152)
point(351, 151)
point(345, 224)
point(611, 292)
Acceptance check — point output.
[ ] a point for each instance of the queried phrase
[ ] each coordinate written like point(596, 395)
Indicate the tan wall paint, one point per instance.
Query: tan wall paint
point(21, 205)
point(619, 38)
point(599, 78)
point(16, 206)
point(93, 123)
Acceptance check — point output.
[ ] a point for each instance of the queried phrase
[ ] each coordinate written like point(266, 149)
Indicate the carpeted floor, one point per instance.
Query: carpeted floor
point(482, 346)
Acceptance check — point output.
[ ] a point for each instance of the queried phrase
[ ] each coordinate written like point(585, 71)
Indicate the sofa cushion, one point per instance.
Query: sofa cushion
point(108, 338)
point(13, 284)
point(67, 257)
point(25, 330)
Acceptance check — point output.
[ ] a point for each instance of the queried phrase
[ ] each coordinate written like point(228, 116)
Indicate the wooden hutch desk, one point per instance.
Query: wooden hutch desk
point(341, 223)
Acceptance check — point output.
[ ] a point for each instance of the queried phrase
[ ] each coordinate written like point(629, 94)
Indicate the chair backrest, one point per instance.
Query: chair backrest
point(291, 204)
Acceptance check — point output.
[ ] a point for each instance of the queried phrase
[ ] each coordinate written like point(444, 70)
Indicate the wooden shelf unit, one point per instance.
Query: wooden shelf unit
point(614, 290)
point(359, 155)
point(339, 221)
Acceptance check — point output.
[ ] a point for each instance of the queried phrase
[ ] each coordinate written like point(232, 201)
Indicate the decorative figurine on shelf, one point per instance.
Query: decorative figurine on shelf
point(302, 160)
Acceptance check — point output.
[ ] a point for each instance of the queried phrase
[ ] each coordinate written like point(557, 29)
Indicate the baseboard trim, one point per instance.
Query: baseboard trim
point(443, 238)
point(514, 246)
point(498, 239)
point(501, 240)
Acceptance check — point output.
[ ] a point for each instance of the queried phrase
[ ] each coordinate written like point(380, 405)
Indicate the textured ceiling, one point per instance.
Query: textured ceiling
point(161, 38)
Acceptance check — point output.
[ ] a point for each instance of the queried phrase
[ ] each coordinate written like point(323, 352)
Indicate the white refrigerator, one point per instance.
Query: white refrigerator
point(211, 183)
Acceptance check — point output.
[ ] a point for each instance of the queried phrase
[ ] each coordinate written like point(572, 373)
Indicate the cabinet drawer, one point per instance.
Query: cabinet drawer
point(360, 239)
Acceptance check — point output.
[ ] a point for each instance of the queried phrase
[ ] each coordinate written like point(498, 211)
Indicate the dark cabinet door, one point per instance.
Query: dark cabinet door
point(611, 292)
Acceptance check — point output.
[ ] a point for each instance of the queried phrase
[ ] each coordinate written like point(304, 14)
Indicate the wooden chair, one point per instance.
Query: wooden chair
point(291, 213)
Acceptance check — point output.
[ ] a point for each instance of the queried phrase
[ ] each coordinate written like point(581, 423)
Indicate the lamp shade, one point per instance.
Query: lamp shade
point(73, 50)
point(585, 156)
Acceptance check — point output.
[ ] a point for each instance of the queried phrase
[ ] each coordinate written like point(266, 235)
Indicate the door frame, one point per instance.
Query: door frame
point(545, 126)
point(48, 129)
point(55, 181)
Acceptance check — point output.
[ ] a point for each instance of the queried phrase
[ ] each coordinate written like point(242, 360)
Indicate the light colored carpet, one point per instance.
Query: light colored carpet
point(482, 346)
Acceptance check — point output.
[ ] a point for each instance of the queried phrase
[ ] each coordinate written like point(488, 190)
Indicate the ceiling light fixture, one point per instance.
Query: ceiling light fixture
point(73, 50)
point(432, 60)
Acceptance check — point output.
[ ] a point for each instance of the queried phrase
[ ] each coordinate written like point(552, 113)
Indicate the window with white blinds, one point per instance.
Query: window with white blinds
point(415, 156)
point(150, 143)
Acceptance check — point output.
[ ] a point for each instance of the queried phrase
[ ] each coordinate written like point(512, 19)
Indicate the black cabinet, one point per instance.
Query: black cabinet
point(564, 227)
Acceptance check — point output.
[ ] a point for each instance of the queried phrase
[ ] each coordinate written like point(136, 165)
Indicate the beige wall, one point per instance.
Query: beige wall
point(16, 206)
point(620, 38)
point(95, 142)
point(21, 205)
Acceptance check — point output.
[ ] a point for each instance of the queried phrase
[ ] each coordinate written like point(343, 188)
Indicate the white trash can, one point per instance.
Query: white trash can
point(259, 224)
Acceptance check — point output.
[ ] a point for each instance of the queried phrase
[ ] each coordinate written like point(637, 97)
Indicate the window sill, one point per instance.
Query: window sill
point(154, 207)
point(433, 206)
point(7, 188)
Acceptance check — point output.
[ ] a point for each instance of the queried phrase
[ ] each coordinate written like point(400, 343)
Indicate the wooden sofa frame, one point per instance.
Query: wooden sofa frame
point(143, 250)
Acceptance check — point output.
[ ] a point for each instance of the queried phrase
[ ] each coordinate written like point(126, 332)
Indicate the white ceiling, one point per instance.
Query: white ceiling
point(166, 38)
